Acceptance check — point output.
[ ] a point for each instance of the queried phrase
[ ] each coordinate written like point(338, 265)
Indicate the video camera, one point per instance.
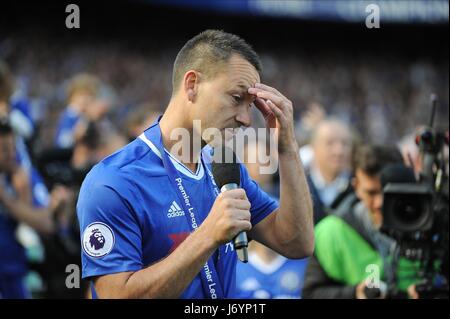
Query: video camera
point(416, 213)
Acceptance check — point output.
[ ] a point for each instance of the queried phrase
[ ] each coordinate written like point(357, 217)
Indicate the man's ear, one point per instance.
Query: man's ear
point(191, 81)
point(354, 182)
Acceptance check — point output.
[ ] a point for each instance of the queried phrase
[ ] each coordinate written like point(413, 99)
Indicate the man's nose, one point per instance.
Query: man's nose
point(378, 201)
point(337, 148)
point(244, 116)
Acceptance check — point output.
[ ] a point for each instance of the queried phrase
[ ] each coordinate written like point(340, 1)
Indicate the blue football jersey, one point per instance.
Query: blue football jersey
point(12, 254)
point(20, 116)
point(39, 191)
point(280, 279)
point(130, 216)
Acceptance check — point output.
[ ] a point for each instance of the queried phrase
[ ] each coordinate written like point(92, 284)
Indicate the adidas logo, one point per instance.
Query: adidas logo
point(175, 210)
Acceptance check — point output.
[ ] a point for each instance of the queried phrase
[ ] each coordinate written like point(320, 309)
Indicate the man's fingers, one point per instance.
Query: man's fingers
point(238, 193)
point(276, 110)
point(262, 106)
point(268, 88)
point(241, 204)
point(245, 225)
point(266, 111)
point(273, 97)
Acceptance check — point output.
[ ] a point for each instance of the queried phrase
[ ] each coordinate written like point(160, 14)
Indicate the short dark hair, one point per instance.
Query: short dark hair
point(5, 127)
point(371, 159)
point(6, 82)
point(209, 50)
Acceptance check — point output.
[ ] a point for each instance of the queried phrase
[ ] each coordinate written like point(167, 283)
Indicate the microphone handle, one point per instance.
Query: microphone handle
point(240, 242)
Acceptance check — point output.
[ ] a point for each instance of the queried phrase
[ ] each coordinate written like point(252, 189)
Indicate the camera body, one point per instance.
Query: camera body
point(416, 214)
point(408, 207)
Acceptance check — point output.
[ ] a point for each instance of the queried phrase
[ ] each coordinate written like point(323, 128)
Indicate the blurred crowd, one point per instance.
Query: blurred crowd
point(383, 92)
point(64, 107)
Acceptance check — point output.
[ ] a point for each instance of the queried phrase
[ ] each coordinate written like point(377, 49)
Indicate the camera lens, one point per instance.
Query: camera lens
point(408, 210)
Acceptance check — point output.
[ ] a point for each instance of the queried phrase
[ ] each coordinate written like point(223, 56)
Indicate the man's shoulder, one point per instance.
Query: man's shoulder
point(335, 231)
point(332, 227)
point(130, 165)
point(132, 159)
point(330, 222)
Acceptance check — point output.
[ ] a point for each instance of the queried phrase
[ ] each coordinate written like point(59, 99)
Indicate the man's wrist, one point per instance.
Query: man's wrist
point(289, 151)
point(207, 242)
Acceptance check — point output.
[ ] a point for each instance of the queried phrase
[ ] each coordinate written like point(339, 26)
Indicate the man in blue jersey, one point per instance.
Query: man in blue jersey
point(153, 223)
point(267, 275)
point(17, 206)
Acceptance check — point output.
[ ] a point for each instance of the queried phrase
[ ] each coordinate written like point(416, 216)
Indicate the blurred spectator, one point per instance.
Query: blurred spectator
point(139, 119)
point(338, 78)
point(6, 89)
point(61, 248)
point(307, 123)
point(267, 275)
point(410, 152)
point(329, 171)
point(81, 95)
point(349, 240)
point(16, 207)
point(21, 117)
point(70, 166)
point(94, 145)
point(16, 115)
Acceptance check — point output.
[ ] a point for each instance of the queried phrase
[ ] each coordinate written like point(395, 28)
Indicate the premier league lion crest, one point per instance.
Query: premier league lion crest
point(98, 240)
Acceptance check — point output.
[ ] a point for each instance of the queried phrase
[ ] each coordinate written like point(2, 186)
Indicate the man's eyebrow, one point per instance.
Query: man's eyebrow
point(243, 87)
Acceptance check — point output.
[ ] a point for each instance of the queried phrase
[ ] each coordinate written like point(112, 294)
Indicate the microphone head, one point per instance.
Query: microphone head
point(225, 167)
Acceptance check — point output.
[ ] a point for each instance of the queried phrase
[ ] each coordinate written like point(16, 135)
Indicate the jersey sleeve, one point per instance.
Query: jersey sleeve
point(261, 203)
point(111, 239)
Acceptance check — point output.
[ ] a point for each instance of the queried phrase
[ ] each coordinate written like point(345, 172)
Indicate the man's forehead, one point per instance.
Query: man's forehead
point(241, 86)
point(242, 74)
point(333, 129)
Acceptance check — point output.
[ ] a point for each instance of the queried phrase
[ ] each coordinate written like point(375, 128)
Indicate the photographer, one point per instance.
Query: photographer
point(349, 241)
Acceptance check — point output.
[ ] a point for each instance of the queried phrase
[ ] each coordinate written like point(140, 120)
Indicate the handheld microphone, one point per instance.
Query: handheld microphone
point(228, 176)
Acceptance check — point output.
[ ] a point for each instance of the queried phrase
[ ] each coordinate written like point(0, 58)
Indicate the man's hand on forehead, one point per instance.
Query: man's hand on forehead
point(262, 105)
point(278, 113)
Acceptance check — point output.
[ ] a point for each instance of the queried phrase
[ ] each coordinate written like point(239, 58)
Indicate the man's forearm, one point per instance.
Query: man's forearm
point(295, 218)
point(167, 278)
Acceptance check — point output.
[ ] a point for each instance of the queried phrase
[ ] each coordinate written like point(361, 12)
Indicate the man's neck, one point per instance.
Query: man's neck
point(174, 118)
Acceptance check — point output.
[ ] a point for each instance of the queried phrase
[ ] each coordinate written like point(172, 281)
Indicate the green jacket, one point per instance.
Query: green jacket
point(347, 250)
